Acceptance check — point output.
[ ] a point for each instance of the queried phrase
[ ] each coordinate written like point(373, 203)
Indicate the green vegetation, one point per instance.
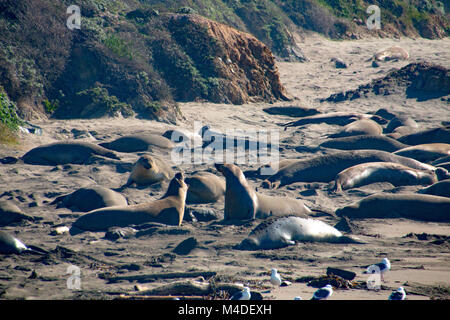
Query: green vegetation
point(9, 121)
point(148, 61)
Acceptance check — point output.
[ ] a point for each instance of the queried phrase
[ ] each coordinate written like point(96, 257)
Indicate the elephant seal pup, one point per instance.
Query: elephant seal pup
point(435, 135)
point(422, 207)
point(392, 53)
point(204, 187)
point(367, 142)
point(12, 245)
point(138, 142)
point(281, 232)
point(324, 168)
point(425, 152)
point(74, 152)
point(394, 173)
point(338, 118)
point(359, 127)
point(148, 170)
point(168, 210)
point(91, 198)
point(441, 188)
point(243, 203)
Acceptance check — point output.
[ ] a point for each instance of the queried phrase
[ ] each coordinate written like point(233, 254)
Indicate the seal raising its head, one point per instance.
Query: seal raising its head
point(243, 203)
point(148, 170)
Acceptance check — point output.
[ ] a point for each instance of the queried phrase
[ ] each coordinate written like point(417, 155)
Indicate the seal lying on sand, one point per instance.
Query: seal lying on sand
point(10, 213)
point(168, 210)
point(324, 168)
point(220, 141)
point(394, 173)
point(392, 53)
point(242, 202)
point(281, 232)
point(74, 152)
point(435, 135)
point(425, 152)
point(378, 142)
point(148, 170)
point(138, 142)
point(291, 111)
point(205, 187)
point(441, 188)
point(422, 207)
point(359, 127)
point(339, 118)
point(91, 198)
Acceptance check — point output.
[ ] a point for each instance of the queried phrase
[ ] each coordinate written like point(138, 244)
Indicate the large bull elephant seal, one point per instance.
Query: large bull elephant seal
point(168, 210)
point(243, 203)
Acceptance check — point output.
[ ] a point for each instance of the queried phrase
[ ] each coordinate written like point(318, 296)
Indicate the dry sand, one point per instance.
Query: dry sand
point(422, 267)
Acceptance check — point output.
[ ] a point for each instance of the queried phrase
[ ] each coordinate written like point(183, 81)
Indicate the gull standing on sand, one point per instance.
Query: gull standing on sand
point(242, 295)
point(275, 278)
point(398, 294)
point(298, 298)
point(384, 266)
point(323, 293)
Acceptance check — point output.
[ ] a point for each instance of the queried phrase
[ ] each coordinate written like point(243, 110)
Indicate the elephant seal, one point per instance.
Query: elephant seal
point(338, 118)
point(284, 231)
point(441, 188)
point(188, 138)
point(400, 121)
point(359, 127)
point(74, 152)
point(324, 168)
point(391, 53)
point(12, 245)
point(167, 210)
point(148, 170)
point(425, 152)
point(368, 142)
point(291, 111)
point(138, 142)
point(243, 203)
point(221, 141)
point(205, 187)
point(91, 198)
point(394, 173)
point(435, 135)
point(422, 207)
point(10, 213)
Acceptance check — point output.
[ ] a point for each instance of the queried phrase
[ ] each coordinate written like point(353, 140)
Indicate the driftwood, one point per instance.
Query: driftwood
point(156, 276)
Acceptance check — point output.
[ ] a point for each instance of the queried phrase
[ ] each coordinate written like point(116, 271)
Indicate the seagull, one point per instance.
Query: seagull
point(398, 294)
point(242, 295)
point(323, 293)
point(383, 267)
point(275, 278)
point(298, 298)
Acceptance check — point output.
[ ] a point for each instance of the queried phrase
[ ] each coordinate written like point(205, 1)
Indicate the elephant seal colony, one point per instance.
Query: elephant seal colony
point(213, 219)
point(325, 168)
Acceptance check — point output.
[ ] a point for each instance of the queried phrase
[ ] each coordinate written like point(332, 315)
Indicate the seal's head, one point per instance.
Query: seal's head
point(146, 162)
point(177, 186)
point(442, 174)
point(248, 244)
